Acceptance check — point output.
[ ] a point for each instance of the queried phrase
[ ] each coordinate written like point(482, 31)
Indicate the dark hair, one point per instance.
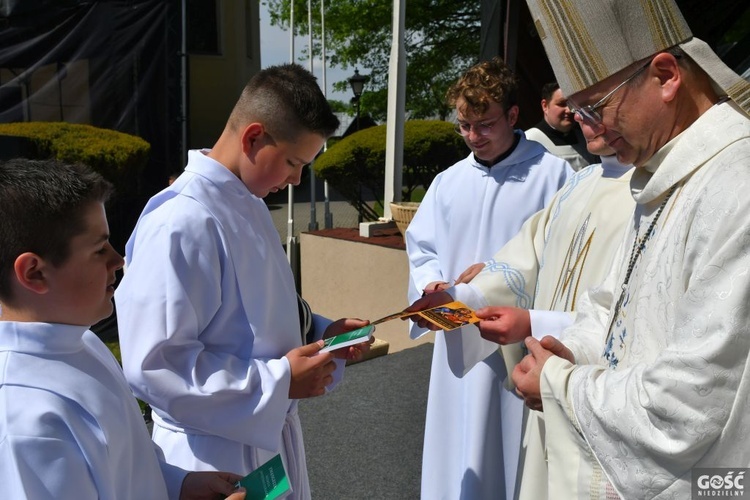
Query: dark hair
point(483, 83)
point(42, 207)
point(287, 100)
point(548, 89)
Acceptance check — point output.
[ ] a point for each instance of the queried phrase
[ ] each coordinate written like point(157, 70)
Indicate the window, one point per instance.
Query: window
point(202, 27)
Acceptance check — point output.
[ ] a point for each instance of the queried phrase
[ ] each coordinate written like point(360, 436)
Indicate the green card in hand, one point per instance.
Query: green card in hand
point(349, 338)
point(267, 482)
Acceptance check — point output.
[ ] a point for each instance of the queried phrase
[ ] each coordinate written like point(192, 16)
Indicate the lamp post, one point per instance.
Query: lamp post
point(357, 82)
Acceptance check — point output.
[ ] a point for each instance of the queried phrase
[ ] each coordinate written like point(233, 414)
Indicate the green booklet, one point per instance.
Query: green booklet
point(349, 338)
point(267, 482)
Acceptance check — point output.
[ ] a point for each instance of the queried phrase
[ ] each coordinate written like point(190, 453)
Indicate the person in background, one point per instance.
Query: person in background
point(209, 318)
point(69, 426)
point(648, 387)
point(473, 424)
point(558, 132)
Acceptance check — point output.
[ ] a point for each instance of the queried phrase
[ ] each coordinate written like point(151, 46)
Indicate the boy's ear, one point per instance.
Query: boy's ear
point(250, 135)
point(31, 272)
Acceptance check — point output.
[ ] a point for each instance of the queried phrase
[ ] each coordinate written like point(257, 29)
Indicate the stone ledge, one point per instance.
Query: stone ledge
point(378, 348)
point(370, 229)
point(388, 237)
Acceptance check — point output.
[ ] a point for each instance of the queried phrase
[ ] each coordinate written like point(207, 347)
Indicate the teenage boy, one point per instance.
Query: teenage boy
point(473, 425)
point(69, 426)
point(207, 308)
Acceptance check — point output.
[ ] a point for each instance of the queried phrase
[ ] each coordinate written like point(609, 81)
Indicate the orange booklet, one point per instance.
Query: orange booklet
point(448, 316)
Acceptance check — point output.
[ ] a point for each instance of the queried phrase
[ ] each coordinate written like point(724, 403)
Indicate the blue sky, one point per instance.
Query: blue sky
point(274, 49)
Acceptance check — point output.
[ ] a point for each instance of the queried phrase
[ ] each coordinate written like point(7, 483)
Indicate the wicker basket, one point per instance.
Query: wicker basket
point(403, 213)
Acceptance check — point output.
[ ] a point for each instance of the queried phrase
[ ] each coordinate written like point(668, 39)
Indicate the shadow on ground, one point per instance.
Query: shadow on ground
point(364, 440)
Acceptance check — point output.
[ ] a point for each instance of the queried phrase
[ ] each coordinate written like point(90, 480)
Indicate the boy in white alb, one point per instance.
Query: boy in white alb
point(69, 426)
point(207, 309)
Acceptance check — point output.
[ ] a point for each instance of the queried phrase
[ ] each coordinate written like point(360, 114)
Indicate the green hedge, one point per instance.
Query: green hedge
point(355, 165)
point(119, 157)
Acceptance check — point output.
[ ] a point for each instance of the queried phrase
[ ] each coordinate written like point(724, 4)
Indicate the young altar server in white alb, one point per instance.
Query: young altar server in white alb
point(473, 424)
point(649, 386)
point(532, 285)
point(207, 308)
point(69, 426)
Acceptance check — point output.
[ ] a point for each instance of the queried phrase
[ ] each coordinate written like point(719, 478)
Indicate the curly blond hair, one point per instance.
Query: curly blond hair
point(482, 84)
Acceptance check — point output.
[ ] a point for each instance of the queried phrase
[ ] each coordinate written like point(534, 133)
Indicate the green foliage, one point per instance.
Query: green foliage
point(117, 156)
point(355, 165)
point(341, 107)
point(441, 40)
point(114, 347)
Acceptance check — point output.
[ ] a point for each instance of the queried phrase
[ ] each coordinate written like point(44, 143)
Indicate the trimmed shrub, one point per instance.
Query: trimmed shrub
point(118, 157)
point(355, 165)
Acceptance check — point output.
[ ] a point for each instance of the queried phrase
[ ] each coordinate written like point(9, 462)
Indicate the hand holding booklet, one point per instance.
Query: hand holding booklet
point(267, 482)
point(447, 316)
point(349, 338)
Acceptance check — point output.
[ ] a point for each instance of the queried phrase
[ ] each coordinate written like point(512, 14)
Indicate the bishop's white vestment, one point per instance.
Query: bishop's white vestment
point(207, 310)
point(69, 427)
point(660, 384)
point(468, 212)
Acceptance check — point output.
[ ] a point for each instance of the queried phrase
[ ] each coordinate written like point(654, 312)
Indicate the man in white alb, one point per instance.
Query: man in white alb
point(473, 424)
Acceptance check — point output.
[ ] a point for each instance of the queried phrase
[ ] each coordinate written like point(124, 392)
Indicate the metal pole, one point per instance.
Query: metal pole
point(328, 217)
point(183, 84)
point(361, 168)
point(394, 135)
point(313, 226)
point(291, 240)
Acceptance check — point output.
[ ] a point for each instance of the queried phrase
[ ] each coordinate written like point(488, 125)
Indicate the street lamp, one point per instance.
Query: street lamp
point(357, 82)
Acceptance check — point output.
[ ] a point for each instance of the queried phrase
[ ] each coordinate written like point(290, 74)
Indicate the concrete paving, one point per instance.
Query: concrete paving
point(364, 439)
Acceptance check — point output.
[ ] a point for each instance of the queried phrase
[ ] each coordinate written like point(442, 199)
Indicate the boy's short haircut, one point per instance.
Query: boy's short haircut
point(287, 100)
point(42, 207)
point(548, 90)
point(484, 83)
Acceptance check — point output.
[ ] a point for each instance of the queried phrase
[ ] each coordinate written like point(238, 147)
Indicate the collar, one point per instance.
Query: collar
point(611, 168)
point(34, 337)
point(490, 164)
point(713, 131)
point(557, 137)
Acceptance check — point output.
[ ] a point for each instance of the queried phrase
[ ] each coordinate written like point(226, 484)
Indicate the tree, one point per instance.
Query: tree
point(441, 41)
